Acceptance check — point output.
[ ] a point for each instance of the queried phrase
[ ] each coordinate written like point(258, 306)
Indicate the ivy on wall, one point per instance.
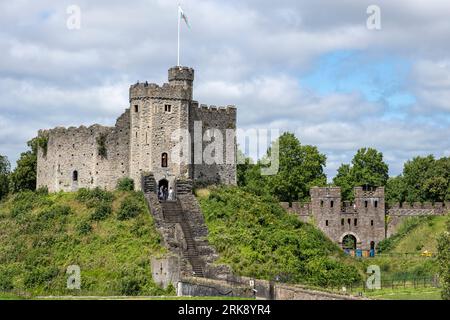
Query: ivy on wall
point(42, 142)
point(101, 145)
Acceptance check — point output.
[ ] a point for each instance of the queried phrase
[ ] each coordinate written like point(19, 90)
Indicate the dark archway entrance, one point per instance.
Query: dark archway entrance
point(349, 242)
point(163, 189)
point(372, 245)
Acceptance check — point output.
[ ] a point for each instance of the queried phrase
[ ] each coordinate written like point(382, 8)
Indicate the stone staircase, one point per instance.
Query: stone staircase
point(173, 213)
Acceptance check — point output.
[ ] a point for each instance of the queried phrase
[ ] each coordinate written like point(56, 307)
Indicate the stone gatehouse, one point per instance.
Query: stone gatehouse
point(143, 140)
point(363, 223)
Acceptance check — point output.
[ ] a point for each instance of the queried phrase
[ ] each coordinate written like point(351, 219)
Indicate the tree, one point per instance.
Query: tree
point(367, 168)
point(443, 259)
point(5, 168)
point(344, 180)
point(243, 166)
point(24, 176)
point(300, 168)
point(427, 179)
point(395, 190)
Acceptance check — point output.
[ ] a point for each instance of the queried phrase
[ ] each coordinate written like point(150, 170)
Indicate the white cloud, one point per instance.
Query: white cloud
point(249, 53)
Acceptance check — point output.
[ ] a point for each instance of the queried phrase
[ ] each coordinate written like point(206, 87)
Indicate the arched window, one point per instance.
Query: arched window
point(332, 204)
point(75, 176)
point(164, 160)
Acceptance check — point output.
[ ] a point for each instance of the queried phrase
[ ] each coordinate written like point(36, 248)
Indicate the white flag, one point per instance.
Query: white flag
point(183, 16)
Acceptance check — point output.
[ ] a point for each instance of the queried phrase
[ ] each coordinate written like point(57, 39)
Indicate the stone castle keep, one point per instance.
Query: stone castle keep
point(140, 142)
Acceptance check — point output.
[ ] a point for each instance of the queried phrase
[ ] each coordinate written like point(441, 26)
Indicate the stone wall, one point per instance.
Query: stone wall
point(398, 213)
point(220, 122)
point(260, 289)
point(157, 112)
point(337, 219)
point(201, 287)
point(364, 219)
point(76, 150)
point(166, 270)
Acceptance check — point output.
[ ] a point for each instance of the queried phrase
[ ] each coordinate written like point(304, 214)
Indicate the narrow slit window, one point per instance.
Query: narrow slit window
point(332, 204)
point(342, 222)
point(326, 223)
point(164, 160)
point(168, 108)
point(376, 204)
point(371, 222)
point(136, 108)
point(366, 204)
point(321, 203)
point(355, 222)
point(75, 176)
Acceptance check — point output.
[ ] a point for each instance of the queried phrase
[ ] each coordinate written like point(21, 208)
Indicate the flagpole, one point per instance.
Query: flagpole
point(178, 53)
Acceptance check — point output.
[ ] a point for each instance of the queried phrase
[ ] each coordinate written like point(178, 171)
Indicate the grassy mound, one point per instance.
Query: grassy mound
point(110, 236)
point(258, 238)
point(401, 254)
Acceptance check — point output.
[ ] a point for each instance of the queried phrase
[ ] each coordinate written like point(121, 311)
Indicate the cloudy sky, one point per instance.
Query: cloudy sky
point(312, 67)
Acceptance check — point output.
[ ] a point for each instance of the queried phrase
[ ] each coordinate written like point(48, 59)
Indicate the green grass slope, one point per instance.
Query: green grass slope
point(110, 236)
point(258, 238)
point(401, 256)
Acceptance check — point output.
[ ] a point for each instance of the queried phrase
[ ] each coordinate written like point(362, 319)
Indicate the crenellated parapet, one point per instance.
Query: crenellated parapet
point(145, 91)
point(418, 209)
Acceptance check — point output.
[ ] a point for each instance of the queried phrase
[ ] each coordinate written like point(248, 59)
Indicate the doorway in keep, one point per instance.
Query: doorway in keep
point(163, 189)
point(349, 242)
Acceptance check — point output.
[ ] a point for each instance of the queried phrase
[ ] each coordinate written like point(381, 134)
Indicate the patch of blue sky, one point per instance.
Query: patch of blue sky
point(377, 77)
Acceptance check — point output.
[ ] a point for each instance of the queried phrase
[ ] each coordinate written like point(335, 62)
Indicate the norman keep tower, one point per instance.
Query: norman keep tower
point(164, 132)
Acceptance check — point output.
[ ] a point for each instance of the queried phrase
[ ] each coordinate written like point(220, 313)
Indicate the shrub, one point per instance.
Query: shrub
point(5, 281)
point(42, 191)
point(54, 212)
point(40, 276)
point(131, 207)
point(125, 184)
point(84, 228)
point(130, 286)
point(101, 212)
point(93, 198)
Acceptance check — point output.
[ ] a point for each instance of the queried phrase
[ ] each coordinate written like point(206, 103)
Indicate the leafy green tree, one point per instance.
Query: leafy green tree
point(444, 262)
point(300, 168)
point(243, 167)
point(344, 180)
point(24, 176)
point(427, 179)
point(395, 190)
point(367, 168)
point(5, 168)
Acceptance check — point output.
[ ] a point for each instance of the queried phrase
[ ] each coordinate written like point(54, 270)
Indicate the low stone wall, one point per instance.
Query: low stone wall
point(285, 292)
point(202, 287)
point(254, 288)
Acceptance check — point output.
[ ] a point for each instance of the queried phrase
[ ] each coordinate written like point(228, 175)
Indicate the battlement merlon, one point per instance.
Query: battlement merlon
point(361, 192)
point(325, 192)
point(178, 88)
point(181, 76)
point(212, 108)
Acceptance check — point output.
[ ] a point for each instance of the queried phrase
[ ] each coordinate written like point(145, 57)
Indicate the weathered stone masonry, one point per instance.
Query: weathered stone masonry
point(368, 219)
point(140, 138)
